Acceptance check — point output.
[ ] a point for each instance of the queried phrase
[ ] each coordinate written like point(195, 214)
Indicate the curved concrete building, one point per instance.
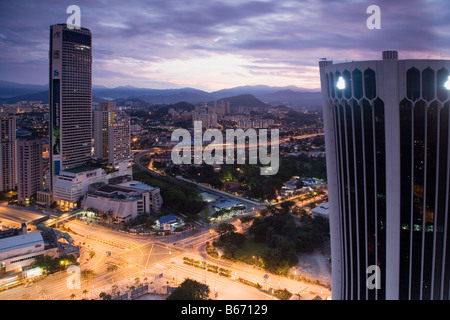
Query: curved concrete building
point(388, 165)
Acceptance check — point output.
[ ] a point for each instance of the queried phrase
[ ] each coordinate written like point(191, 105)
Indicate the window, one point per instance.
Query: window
point(413, 84)
point(370, 84)
point(357, 84)
point(428, 84)
point(338, 92)
point(442, 77)
point(348, 87)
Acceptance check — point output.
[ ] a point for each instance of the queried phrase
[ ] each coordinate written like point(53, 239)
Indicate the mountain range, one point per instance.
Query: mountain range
point(11, 92)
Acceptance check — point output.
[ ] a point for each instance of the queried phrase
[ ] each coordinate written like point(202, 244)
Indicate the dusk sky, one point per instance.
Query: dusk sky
point(212, 45)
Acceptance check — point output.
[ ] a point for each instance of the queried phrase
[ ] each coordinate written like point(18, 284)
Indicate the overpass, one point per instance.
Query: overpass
point(59, 234)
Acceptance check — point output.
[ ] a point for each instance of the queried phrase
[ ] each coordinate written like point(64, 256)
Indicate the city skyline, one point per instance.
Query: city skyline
point(218, 45)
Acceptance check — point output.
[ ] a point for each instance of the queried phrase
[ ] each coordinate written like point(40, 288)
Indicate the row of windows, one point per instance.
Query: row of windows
point(424, 200)
point(428, 84)
point(27, 258)
point(360, 145)
point(356, 84)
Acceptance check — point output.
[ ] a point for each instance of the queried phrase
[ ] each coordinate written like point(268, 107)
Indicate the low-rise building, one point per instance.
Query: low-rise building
point(229, 204)
point(19, 249)
point(123, 201)
point(168, 222)
point(322, 209)
point(72, 184)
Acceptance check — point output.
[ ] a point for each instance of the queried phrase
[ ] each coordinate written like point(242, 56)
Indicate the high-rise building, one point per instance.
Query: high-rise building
point(208, 118)
point(101, 116)
point(387, 131)
point(111, 134)
point(221, 108)
point(29, 168)
point(8, 172)
point(70, 98)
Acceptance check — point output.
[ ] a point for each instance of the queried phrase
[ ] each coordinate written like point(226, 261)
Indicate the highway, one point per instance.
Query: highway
point(144, 257)
point(13, 216)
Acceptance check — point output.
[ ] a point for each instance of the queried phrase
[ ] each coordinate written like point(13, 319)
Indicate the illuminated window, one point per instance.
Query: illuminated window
point(341, 83)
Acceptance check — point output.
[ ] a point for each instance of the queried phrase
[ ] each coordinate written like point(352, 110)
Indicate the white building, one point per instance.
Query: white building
point(322, 209)
point(156, 200)
point(72, 184)
point(70, 91)
point(125, 201)
point(387, 135)
point(19, 251)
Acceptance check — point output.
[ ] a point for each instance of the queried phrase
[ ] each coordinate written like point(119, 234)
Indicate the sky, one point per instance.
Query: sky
point(212, 45)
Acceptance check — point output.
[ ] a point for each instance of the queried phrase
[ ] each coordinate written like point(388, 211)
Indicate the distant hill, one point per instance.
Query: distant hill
point(253, 90)
point(244, 95)
point(39, 96)
point(290, 95)
point(245, 100)
point(293, 98)
point(177, 95)
point(11, 89)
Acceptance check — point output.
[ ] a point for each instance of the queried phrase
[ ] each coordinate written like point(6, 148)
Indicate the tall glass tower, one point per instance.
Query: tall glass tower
point(387, 138)
point(70, 98)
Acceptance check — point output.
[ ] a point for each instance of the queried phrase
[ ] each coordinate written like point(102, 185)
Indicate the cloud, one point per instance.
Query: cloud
point(143, 42)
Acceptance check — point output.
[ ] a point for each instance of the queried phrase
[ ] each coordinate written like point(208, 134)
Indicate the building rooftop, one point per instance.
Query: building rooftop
point(81, 169)
point(167, 219)
point(21, 241)
point(136, 185)
point(227, 204)
point(322, 209)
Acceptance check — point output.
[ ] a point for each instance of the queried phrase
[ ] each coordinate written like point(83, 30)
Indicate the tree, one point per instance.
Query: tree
point(111, 267)
point(72, 296)
point(87, 274)
point(224, 228)
point(85, 292)
point(105, 296)
point(190, 290)
point(51, 265)
point(286, 206)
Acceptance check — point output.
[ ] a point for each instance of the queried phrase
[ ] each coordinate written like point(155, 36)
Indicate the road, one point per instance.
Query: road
point(140, 155)
point(13, 216)
point(144, 258)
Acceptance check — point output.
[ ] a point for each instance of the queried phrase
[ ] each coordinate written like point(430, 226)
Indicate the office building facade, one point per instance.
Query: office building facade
point(387, 143)
point(8, 172)
point(29, 168)
point(111, 134)
point(70, 98)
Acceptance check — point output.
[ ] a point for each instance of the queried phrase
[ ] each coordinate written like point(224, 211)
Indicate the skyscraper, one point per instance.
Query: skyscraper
point(387, 140)
point(29, 168)
point(8, 172)
point(111, 134)
point(70, 98)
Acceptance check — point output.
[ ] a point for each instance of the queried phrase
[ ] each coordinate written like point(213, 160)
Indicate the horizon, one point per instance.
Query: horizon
point(220, 44)
point(180, 88)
